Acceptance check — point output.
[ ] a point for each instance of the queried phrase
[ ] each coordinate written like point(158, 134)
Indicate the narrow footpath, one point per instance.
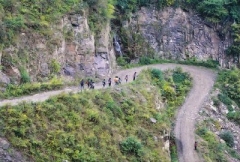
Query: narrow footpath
point(203, 81)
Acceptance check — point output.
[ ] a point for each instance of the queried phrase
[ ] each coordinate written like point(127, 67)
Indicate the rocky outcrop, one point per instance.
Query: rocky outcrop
point(69, 43)
point(177, 34)
point(8, 154)
point(218, 121)
point(4, 80)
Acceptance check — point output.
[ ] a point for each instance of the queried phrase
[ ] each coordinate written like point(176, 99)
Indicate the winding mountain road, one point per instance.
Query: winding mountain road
point(203, 80)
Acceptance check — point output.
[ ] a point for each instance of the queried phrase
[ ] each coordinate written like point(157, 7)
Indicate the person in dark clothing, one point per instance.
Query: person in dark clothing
point(134, 75)
point(82, 84)
point(91, 84)
point(126, 78)
point(109, 82)
point(119, 80)
point(195, 145)
point(88, 83)
point(104, 83)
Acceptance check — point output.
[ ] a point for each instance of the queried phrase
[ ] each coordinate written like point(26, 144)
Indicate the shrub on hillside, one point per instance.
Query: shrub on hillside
point(227, 136)
point(55, 66)
point(234, 116)
point(131, 146)
point(157, 74)
point(24, 75)
point(229, 82)
point(121, 61)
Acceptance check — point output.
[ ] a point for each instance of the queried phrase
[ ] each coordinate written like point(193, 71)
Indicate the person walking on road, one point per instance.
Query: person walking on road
point(88, 83)
point(109, 82)
point(134, 75)
point(116, 80)
point(119, 80)
point(195, 145)
point(91, 84)
point(126, 78)
point(82, 84)
point(104, 83)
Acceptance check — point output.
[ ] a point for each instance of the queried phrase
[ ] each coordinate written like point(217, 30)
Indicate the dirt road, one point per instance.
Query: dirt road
point(203, 80)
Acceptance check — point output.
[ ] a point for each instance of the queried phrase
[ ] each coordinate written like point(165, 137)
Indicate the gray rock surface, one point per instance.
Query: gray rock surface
point(7, 154)
point(4, 80)
point(176, 34)
point(70, 42)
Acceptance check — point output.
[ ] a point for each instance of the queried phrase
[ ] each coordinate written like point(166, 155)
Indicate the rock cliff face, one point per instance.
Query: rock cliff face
point(169, 33)
point(69, 43)
point(176, 34)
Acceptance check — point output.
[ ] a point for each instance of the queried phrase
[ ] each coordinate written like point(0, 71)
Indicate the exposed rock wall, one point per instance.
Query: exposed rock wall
point(69, 42)
point(176, 34)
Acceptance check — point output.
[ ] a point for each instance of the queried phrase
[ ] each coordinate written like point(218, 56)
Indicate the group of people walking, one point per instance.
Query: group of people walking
point(117, 80)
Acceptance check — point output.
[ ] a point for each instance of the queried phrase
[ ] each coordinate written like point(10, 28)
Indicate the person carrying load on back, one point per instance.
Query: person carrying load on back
point(116, 79)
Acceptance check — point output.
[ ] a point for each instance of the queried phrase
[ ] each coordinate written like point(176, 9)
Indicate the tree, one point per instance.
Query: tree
point(213, 10)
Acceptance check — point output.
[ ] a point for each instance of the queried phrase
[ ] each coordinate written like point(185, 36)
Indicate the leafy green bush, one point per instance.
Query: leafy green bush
point(156, 73)
point(179, 76)
point(226, 100)
point(24, 75)
point(216, 102)
point(234, 116)
point(116, 110)
point(227, 136)
point(121, 61)
point(55, 66)
point(209, 63)
point(229, 83)
point(131, 146)
point(145, 60)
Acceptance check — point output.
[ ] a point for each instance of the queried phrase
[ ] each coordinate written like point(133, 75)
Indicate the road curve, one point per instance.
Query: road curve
point(203, 80)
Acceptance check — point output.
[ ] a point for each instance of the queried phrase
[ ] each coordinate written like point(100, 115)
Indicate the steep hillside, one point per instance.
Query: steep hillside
point(126, 123)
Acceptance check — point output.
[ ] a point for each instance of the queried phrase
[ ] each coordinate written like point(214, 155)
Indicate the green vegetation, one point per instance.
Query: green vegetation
point(25, 15)
point(100, 12)
point(228, 138)
point(131, 146)
point(144, 60)
point(99, 125)
point(234, 49)
point(229, 83)
point(55, 66)
point(30, 88)
point(210, 147)
point(25, 78)
point(226, 100)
